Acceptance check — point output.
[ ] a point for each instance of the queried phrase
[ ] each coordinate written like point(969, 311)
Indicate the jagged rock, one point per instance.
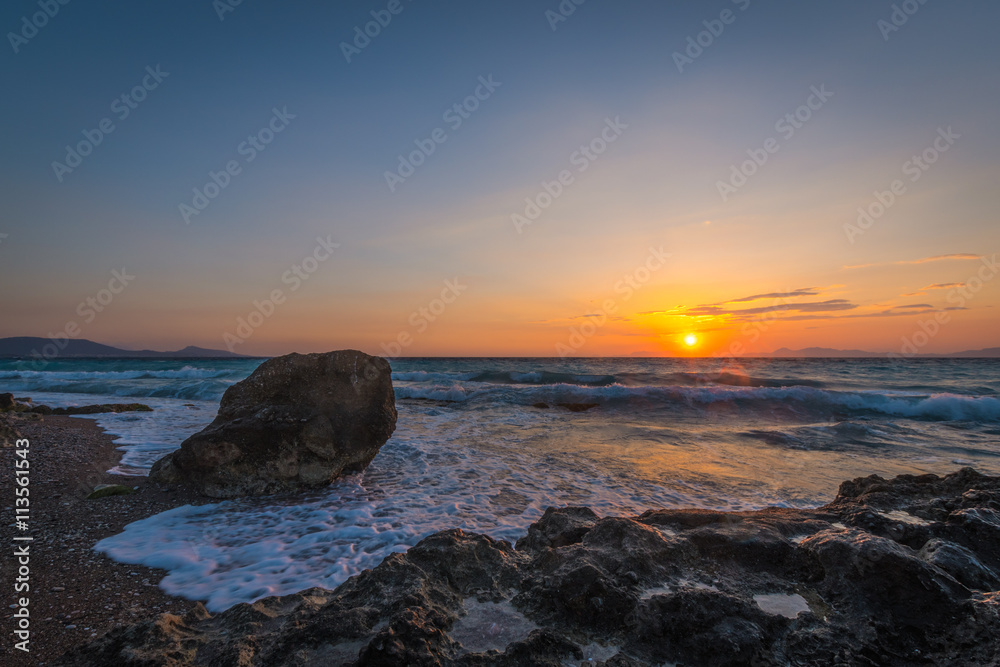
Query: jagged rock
point(9, 435)
point(558, 528)
point(10, 405)
point(298, 421)
point(870, 579)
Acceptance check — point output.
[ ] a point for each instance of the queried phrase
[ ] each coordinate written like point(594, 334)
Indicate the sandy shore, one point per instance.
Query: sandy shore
point(76, 593)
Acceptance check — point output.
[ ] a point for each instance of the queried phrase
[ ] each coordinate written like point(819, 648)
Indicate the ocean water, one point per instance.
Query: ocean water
point(473, 450)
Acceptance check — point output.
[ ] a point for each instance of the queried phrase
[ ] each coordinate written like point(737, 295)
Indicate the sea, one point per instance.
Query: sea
point(485, 445)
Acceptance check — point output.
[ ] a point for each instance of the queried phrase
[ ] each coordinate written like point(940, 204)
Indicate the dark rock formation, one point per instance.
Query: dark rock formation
point(896, 572)
point(9, 404)
point(9, 434)
point(298, 421)
point(91, 409)
point(578, 407)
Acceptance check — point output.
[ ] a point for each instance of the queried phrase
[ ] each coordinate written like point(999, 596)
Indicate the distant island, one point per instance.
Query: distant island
point(34, 347)
point(810, 352)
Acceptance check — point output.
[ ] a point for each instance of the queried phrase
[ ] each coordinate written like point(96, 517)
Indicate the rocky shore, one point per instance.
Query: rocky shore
point(892, 572)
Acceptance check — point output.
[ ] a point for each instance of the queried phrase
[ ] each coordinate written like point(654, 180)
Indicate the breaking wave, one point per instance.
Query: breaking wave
point(798, 399)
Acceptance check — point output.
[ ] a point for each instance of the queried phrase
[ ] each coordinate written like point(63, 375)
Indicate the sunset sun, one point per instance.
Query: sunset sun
point(690, 340)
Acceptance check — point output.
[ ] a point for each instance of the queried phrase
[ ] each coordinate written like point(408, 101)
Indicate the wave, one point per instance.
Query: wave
point(424, 376)
point(799, 400)
point(187, 372)
point(207, 390)
point(738, 380)
point(507, 377)
point(452, 394)
point(543, 377)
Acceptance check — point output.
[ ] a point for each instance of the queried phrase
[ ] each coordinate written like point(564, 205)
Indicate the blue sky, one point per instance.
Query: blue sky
point(325, 173)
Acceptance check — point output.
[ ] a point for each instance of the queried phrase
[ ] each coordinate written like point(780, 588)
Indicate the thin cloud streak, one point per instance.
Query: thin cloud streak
point(936, 286)
point(964, 256)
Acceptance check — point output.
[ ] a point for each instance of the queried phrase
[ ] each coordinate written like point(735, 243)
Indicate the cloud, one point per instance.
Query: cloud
point(677, 309)
point(611, 318)
point(807, 307)
point(936, 286)
point(810, 310)
point(805, 291)
point(923, 260)
point(941, 258)
point(717, 308)
point(564, 321)
point(883, 313)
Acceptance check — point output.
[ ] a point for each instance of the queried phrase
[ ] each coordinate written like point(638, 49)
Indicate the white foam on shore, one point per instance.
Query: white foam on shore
point(494, 471)
point(439, 470)
point(143, 437)
point(488, 463)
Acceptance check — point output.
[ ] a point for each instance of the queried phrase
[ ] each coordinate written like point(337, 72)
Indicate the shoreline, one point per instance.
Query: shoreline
point(78, 594)
point(573, 588)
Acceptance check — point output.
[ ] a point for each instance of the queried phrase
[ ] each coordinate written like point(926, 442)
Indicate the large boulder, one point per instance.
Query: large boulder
point(298, 421)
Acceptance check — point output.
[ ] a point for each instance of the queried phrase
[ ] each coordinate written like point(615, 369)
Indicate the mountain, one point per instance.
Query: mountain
point(812, 352)
point(986, 353)
point(29, 346)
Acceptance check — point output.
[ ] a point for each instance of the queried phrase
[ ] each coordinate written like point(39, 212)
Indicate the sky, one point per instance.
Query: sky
point(506, 178)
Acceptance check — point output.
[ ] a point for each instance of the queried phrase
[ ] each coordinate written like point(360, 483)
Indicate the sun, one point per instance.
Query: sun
point(691, 340)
